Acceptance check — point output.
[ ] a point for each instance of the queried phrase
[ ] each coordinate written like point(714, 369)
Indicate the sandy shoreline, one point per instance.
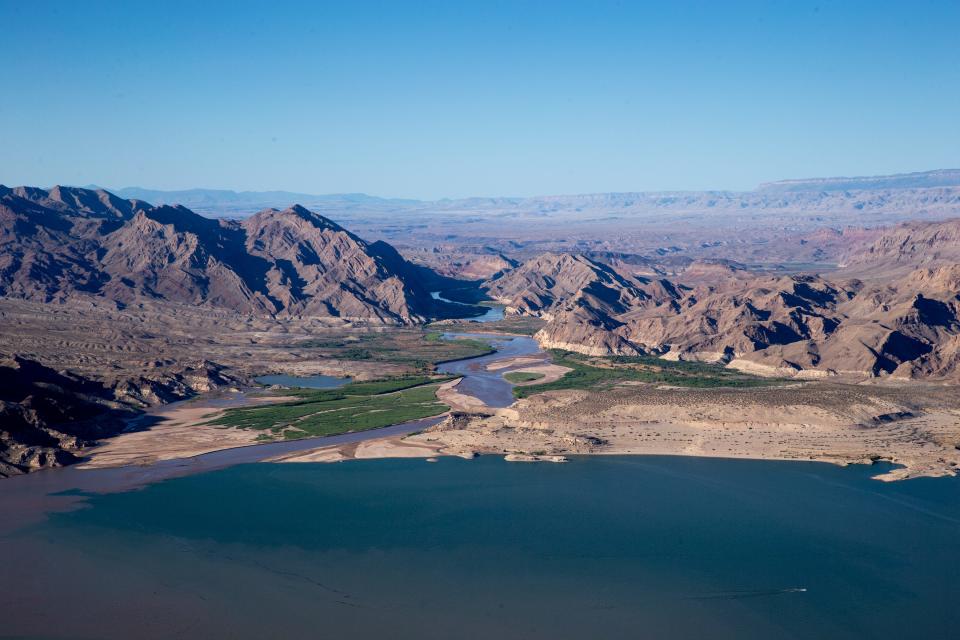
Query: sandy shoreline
point(530, 364)
point(664, 440)
point(821, 423)
point(178, 432)
point(808, 422)
point(449, 394)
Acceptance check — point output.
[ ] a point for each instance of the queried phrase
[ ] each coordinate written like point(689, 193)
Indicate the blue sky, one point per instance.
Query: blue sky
point(450, 99)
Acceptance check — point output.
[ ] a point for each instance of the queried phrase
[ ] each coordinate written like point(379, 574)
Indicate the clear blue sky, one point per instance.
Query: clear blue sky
point(453, 99)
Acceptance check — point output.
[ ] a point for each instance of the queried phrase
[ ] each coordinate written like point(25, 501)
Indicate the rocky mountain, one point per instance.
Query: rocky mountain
point(66, 242)
point(49, 417)
point(716, 323)
point(798, 325)
point(462, 261)
point(33, 399)
point(554, 281)
point(907, 247)
point(905, 328)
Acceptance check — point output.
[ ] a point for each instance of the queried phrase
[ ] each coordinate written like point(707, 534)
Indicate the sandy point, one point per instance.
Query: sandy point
point(180, 432)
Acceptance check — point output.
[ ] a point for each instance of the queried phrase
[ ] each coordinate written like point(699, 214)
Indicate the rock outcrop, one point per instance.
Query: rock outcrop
point(555, 282)
point(48, 418)
point(801, 325)
point(907, 247)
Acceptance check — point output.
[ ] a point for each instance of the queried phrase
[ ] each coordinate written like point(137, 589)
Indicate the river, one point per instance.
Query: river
point(489, 386)
point(30, 496)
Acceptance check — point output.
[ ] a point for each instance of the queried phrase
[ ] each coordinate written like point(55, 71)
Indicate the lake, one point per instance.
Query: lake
point(602, 547)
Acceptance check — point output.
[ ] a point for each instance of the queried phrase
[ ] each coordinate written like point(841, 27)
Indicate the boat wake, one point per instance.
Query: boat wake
point(748, 593)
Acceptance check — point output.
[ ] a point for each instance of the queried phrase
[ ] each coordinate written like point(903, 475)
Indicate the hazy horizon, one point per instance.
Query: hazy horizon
point(118, 189)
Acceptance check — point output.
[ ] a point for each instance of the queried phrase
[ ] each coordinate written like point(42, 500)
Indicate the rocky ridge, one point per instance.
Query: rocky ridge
point(69, 242)
point(48, 418)
point(792, 325)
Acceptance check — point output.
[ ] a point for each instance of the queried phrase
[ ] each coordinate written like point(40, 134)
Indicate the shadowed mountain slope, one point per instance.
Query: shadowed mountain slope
point(908, 246)
point(800, 325)
point(68, 241)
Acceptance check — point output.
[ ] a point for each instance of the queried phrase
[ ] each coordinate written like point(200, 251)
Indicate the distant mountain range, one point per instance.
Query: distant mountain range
point(919, 180)
point(220, 202)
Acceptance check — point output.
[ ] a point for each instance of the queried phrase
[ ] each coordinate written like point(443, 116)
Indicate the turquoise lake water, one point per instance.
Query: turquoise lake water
point(603, 547)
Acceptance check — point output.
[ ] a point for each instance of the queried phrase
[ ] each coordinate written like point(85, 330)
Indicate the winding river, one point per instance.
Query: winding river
point(31, 495)
point(489, 386)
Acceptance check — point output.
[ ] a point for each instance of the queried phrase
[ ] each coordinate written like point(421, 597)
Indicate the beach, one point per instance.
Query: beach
point(914, 426)
point(176, 431)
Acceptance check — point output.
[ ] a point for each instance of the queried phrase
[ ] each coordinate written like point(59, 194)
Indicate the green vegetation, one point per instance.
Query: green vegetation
point(593, 372)
point(519, 377)
point(416, 350)
point(521, 325)
point(358, 406)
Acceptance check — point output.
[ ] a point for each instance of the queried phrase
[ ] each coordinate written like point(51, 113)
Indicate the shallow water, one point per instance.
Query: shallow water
point(304, 382)
point(603, 547)
point(489, 386)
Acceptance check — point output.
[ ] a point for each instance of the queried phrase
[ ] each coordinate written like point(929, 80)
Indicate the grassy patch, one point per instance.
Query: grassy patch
point(518, 377)
point(417, 350)
point(522, 325)
point(594, 372)
point(358, 406)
